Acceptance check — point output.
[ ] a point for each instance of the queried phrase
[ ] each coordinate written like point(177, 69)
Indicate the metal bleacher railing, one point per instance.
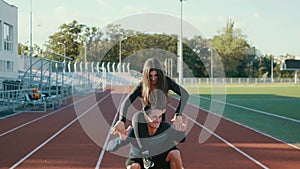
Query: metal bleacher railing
point(50, 83)
point(45, 79)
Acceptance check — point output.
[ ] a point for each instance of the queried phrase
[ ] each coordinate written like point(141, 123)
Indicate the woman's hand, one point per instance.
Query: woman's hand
point(180, 122)
point(119, 127)
point(124, 135)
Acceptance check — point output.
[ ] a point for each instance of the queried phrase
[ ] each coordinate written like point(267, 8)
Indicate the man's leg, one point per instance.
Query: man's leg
point(174, 158)
point(133, 163)
point(134, 166)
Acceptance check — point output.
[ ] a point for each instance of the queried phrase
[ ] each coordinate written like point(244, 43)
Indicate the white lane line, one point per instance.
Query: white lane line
point(37, 119)
point(225, 141)
point(57, 133)
point(231, 145)
point(4, 117)
point(257, 131)
point(108, 134)
point(254, 110)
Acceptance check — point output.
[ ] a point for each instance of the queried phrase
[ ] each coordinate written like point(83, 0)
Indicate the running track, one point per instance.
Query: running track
point(56, 139)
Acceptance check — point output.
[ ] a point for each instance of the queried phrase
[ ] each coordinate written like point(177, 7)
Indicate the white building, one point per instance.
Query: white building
point(8, 41)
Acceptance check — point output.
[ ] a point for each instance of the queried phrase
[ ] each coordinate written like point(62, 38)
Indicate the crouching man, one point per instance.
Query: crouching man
point(159, 140)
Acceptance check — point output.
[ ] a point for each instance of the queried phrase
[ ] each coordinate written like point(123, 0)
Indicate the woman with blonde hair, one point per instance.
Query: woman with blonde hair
point(153, 77)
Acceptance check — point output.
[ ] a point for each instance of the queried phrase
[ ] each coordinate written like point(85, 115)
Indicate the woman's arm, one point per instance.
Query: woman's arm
point(180, 91)
point(119, 127)
point(136, 92)
point(180, 135)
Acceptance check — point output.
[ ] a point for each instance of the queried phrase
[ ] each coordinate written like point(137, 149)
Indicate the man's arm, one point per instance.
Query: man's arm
point(114, 144)
point(184, 95)
point(122, 140)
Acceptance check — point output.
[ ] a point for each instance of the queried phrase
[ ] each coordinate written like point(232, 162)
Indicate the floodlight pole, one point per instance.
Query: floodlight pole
point(63, 73)
point(272, 60)
point(211, 65)
point(64, 67)
point(85, 59)
point(296, 76)
point(180, 64)
point(120, 53)
point(30, 53)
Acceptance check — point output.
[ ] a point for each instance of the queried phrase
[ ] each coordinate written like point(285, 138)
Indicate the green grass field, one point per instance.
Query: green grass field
point(271, 109)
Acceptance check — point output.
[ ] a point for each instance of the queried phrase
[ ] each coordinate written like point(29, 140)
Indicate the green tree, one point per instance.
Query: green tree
point(233, 50)
point(72, 36)
point(203, 48)
point(283, 73)
point(24, 50)
point(102, 45)
point(196, 55)
point(264, 66)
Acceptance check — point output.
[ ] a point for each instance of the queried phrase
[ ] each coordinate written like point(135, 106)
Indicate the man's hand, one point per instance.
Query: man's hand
point(119, 127)
point(180, 122)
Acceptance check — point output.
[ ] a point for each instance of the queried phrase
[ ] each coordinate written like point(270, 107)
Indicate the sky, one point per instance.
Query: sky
point(272, 26)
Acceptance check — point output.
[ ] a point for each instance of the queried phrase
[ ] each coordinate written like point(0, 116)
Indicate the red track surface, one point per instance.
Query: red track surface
point(59, 140)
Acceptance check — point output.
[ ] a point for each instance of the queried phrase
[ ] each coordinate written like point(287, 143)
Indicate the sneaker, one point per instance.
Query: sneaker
point(148, 162)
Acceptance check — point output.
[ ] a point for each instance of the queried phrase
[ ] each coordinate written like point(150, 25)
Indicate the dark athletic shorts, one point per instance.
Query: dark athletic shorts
point(159, 161)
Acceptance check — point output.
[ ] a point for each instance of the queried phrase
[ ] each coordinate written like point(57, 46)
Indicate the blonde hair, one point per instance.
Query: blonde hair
point(150, 65)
